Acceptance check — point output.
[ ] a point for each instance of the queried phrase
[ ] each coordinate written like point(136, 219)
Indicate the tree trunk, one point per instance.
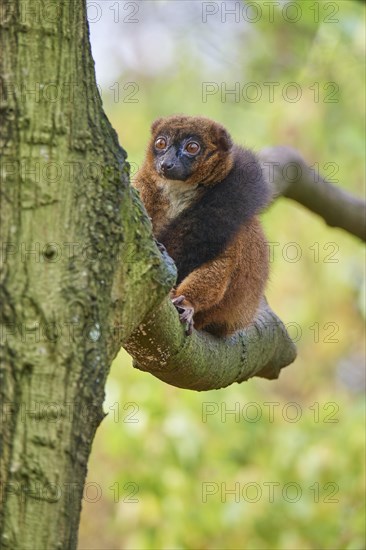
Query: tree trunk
point(68, 221)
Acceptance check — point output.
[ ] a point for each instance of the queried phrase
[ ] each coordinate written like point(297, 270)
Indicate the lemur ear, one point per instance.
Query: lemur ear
point(155, 124)
point(224, 140)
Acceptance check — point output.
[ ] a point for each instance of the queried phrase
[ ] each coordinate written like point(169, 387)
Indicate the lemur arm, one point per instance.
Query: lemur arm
point(192, 296)
point(213, 275)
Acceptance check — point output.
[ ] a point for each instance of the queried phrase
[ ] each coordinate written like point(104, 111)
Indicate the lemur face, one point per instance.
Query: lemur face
point(190, 149)
point(176, 159)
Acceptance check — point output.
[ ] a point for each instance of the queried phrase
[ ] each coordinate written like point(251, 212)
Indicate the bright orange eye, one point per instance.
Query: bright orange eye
point(160, 143)
point(192, 147)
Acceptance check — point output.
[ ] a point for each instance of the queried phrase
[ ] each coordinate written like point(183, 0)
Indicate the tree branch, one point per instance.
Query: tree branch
point(204, 362)
point(290, 176)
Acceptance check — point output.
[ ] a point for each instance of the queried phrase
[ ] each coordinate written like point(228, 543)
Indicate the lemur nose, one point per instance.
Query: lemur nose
point(166, 165)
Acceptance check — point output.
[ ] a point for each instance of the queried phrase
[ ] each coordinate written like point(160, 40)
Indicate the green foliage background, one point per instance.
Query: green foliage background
point(156, 446)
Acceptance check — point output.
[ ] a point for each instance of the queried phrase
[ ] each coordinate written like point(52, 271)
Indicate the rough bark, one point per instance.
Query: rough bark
point(69, 224)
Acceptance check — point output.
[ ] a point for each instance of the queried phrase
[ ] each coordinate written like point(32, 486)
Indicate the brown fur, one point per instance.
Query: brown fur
point(215, 163)
point(236, 280)
point(224, 292)
point(214, 166)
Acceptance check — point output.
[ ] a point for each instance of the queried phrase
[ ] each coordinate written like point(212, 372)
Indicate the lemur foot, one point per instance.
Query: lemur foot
point(186, 312)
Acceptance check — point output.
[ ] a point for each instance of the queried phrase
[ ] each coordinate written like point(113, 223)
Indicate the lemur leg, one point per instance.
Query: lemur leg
point(191, 294)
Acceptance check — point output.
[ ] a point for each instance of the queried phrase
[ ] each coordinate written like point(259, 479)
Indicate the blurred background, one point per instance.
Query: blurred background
point(265, 464)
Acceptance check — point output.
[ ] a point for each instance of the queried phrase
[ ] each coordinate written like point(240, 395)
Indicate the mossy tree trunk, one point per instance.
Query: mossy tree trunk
point(68, 220)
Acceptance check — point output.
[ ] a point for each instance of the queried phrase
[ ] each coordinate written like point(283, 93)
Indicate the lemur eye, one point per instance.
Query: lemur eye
point(192, 147)
point(160, 143)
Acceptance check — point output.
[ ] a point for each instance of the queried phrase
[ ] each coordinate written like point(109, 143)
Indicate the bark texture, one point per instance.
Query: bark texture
point(69, 226)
